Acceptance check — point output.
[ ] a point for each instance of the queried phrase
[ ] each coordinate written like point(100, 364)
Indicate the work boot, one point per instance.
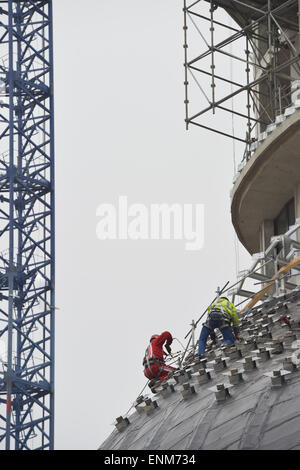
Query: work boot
point(227, 345)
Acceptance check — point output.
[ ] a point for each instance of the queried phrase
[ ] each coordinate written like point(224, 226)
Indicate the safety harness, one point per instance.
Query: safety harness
point(149, 360)
point(218, 313)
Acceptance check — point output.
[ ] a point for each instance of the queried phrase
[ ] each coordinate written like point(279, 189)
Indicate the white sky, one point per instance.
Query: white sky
point(120, 131)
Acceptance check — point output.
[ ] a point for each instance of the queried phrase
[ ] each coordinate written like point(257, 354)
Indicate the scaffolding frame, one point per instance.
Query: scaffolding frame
point(279, 253)
point(282, 250)
point(267, 28)
point(27, 257)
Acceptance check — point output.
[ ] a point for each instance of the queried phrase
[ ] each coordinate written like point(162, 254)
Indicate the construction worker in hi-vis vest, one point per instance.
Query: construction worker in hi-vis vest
point(154, 365)
point(221, 314)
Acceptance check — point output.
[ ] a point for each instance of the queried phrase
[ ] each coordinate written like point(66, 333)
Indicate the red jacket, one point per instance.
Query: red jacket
point(155, 348)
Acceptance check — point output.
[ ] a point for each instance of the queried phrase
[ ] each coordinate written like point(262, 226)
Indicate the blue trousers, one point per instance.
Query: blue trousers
point(205, 332)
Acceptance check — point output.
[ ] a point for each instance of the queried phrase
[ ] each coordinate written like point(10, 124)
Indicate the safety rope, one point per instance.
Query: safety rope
point(126, 414)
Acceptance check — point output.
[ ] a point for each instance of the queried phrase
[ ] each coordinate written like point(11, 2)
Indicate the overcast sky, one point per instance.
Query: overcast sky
point(120, 131)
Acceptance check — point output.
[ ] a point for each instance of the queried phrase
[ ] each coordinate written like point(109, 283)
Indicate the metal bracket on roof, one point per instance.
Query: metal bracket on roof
point(289, 365)
point(277, 377)
point(296, 354)
point(211, 355)
point(204, 376)
point(262, 354)
point(234, 353)
point(139, 400)
point(249, 363)
point(182, 376)
point(235, 376)
point(289, 337)
point(166, 390)
point(221, 391)
point(265, 333)
point(219, 364)
point(188, 391)
point(276, 346)
point(122, 423)
point(150, 406)
point(248, 345)
point(199, 364)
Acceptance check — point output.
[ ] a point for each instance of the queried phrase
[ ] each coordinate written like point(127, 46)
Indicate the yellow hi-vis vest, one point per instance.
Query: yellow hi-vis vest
point(227, 308)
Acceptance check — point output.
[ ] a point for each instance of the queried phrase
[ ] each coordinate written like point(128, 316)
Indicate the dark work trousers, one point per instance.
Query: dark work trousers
point(205, 332)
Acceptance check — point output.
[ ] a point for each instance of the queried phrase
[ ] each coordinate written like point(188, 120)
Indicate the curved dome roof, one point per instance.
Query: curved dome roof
point(246, 397)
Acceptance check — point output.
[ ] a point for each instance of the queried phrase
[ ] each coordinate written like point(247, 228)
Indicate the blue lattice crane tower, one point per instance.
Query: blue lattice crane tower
point(27, 265)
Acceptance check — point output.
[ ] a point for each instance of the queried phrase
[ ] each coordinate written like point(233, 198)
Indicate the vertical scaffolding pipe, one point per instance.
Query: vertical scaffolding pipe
point(193, 325)
point(276, 272)
point(280, 99)
point(44, 229)
point(11, 227)
point(248, 99)
point(269, 26)
point(186, 83)
point(277, 90)
point(20, 226)
point(212, 48)
point(52, 198)
point(285, 249)
point(277, 87)
point(272, 73)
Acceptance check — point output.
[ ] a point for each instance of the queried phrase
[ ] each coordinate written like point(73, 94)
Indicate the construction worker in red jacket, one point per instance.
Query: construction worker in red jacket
point(154, 365)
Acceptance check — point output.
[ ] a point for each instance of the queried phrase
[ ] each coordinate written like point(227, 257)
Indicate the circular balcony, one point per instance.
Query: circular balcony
point(267, 181)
